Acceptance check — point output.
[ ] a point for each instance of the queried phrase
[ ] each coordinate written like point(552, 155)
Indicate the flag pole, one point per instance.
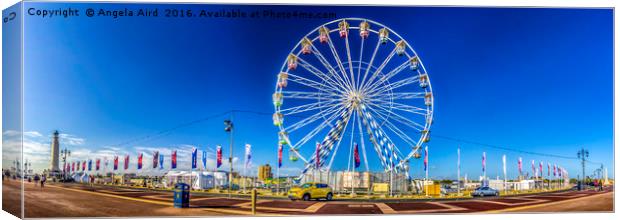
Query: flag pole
point(245, 163)
point(504, 166)
point(278, 168)
point(426, 171)
point(278, 178)
point(458, 170)
point(353, 176)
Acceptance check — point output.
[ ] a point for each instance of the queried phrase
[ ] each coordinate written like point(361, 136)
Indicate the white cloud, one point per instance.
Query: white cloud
point(72, 140)
point(36, 148)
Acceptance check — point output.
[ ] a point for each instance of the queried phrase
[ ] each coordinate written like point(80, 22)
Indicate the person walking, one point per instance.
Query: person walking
point(36, 179)
point(43, 179)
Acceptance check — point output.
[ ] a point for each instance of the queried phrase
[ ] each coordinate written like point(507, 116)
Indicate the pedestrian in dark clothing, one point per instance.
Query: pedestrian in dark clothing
point(43, 179)
point(36, 180)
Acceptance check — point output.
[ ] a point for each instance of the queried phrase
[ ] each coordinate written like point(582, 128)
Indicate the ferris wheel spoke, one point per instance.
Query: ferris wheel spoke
point(359, 127)
point(350, 62)
point(388, 76)
point(377, 72)
point(331, 161)
point(351, 143)
point(359, 68)
point(328, 66)
point(397, 84)
point(312, 69)
point(381, 141)
point(408, 95)
point(396, 96)
point(316, 130)
point(309, 95)
point(400, 119)
point(311, 118)
point(372, 59)
point(399, 106)
point(338, 61)
point(305, 108)
point(311, 83)
point(326, 147)
point(373, 139)
point(393, 128)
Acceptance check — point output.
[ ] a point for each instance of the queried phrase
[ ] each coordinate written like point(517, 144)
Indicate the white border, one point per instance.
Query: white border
point(484, 3)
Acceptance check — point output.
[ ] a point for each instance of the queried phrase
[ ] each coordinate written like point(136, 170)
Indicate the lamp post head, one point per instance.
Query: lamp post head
point(228, 125)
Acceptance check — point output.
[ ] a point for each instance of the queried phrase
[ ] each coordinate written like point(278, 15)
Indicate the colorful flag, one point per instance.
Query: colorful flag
point(161, 161)
point(72, 166)
point(534, 168)
point(520, 166)
point(204, 159)
point(83, 165)
point(78, 165)
point(548, 169)
point(115, 162)
point(173, 160)
point(356, 156)
point(90, 164)
point(425, 158)
point(155, 158)
point(540, 167)
point(219, 156)
point(318, 157)
point(194, 157)
point(280, 155)
point(140, 161)
point(248, 156)
point(126, 162)
point(484, 161)
point(97, 162)
point(555, 170)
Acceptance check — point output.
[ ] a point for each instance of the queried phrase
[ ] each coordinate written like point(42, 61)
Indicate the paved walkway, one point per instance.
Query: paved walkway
point(77, 200)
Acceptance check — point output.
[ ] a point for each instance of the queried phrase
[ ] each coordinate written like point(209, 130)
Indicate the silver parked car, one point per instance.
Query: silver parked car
point(485, 191)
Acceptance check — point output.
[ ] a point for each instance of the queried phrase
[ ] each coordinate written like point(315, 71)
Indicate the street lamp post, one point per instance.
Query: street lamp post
point(228, 127)
point(583, 154)
point(65, 153)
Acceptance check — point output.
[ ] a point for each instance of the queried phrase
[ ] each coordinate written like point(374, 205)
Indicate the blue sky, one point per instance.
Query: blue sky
point(535, 80)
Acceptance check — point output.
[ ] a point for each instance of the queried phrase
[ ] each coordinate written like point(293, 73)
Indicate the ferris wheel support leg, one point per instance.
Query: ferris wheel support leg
point(326, 146)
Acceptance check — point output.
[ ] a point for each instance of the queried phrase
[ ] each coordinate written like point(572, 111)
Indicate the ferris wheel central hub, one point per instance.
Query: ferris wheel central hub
point(354, 98)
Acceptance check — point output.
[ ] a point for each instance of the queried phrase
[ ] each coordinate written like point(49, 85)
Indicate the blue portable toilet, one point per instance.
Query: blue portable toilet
point(181, 195)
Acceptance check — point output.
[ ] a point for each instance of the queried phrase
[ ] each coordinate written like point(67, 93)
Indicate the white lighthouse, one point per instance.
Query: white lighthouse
point(55, 154)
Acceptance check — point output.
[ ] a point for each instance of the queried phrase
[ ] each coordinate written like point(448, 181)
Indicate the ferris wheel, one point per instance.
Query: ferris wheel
point(353, 85)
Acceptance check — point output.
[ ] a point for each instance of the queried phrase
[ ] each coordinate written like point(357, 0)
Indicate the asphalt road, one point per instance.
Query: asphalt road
point(76, 200)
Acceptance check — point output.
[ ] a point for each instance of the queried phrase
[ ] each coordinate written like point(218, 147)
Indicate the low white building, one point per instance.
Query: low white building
point(80, 177)
point(198, 179)
point(525, 185)
point(498, 184)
